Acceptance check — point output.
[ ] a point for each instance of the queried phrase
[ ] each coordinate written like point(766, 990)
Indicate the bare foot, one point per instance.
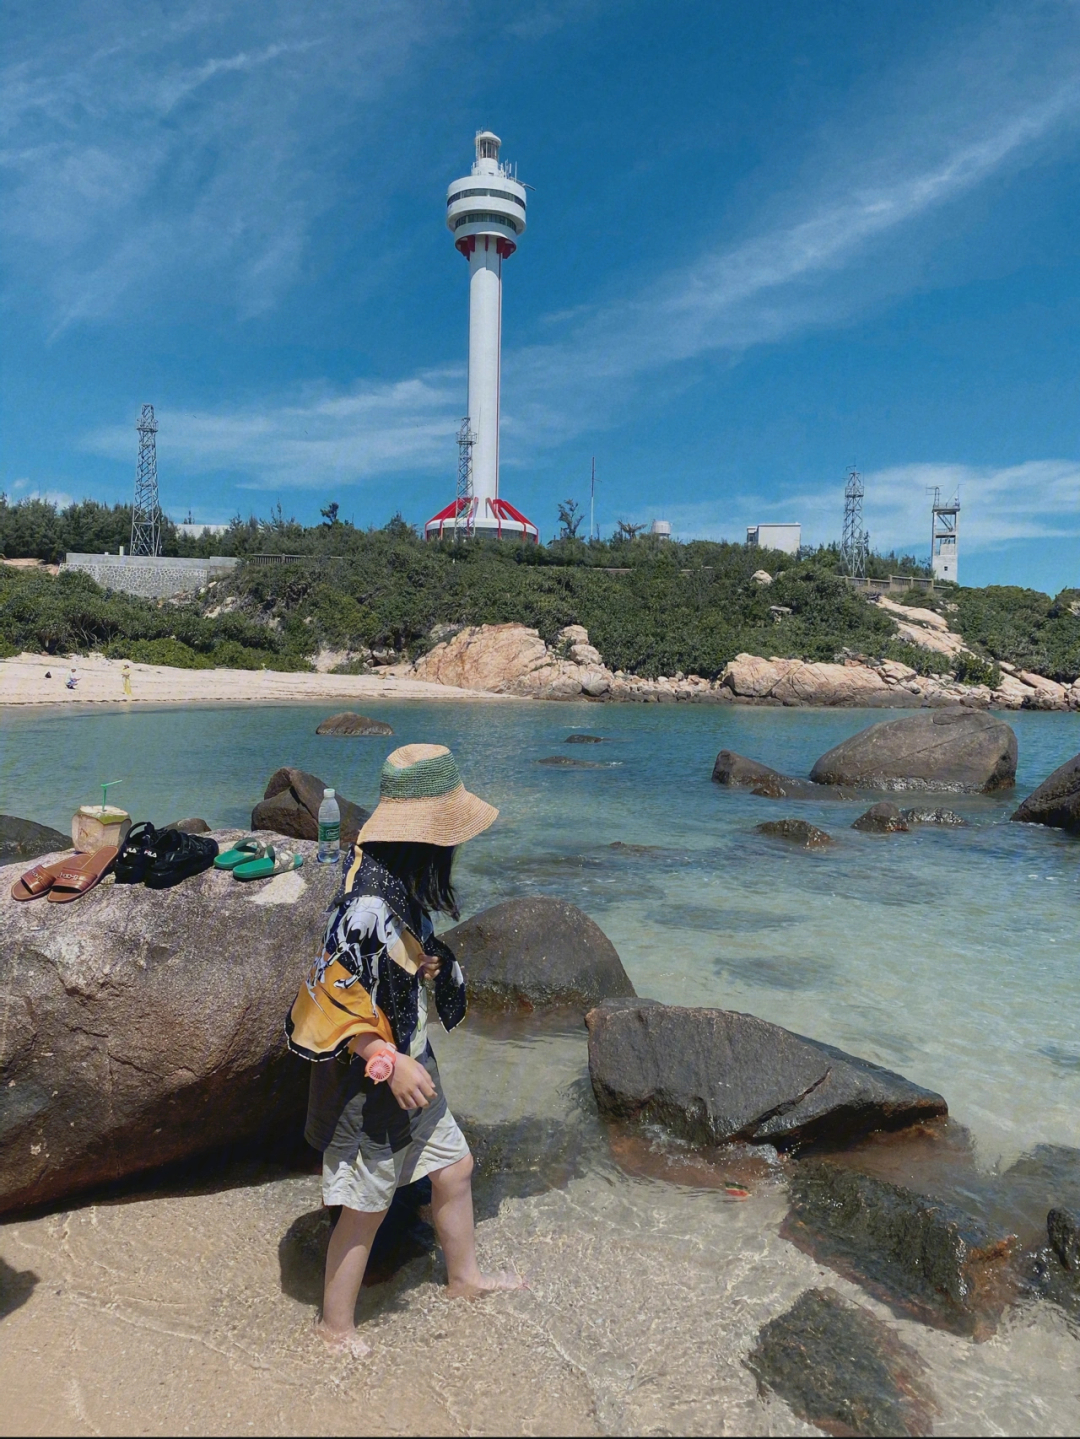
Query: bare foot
point(484, 1284)
point(343, 1342)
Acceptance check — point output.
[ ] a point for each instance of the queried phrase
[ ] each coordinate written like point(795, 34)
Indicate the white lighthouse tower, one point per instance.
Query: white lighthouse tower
point(485, 213)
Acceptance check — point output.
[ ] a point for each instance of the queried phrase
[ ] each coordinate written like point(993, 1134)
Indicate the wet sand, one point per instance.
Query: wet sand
point(23, 682)
point(184, 1312)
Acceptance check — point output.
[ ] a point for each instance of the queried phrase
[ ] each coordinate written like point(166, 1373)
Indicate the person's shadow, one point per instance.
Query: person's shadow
point(405, 1234)
point(16, 1287)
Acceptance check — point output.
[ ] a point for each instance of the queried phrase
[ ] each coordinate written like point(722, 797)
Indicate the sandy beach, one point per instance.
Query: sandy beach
point(23, 681)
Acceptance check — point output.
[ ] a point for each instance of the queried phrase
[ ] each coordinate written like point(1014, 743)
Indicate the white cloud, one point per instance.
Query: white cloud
point(344, 438)
point(186, 157)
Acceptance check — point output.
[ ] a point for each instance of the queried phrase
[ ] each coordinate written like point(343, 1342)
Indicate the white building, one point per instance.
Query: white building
point(485, 213)
point(787, 538)
point(944, 537)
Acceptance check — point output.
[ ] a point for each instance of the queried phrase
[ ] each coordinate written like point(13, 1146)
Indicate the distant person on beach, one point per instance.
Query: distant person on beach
point(73, 678)
point(376, 1108)
point(126, 674)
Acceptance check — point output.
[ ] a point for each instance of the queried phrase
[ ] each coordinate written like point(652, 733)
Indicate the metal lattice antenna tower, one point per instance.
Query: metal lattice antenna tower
point(146, 511)
point(855, 542)
point(465, 439)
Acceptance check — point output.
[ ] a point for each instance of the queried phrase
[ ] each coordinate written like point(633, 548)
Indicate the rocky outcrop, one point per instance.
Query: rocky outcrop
point(795, 831)
point(513, 659)
point(145, 1026)
point(841, 1368)
point(350, 724)
point(537, 953)
point(712, 1076)
point(290, 806)
point(1063, 1232)
point(883, 818)
point(795, 682)
point(955, 749)
point(22, 839)
point(929, 1254)
point(585, 739)
point(1056, 802)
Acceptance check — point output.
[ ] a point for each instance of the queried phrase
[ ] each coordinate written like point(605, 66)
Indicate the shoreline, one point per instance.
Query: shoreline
point(23, 684)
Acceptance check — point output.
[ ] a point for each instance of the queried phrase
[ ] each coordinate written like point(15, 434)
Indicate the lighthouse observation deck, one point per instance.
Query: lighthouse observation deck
point(489, 201)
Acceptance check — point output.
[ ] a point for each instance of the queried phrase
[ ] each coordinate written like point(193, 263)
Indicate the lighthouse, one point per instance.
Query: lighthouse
point(485, 213)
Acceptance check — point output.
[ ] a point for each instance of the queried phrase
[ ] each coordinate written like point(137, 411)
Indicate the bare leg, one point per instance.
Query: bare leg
point(452, 1211)
point(346, 1259)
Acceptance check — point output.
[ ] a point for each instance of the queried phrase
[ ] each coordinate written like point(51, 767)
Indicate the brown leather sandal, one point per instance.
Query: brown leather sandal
point(78, 879)
point(39, 880)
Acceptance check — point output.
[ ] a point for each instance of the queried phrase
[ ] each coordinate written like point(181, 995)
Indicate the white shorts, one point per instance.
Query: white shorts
point(370, 1186)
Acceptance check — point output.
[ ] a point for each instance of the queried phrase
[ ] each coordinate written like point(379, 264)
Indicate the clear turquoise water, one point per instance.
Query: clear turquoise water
point(950, 955)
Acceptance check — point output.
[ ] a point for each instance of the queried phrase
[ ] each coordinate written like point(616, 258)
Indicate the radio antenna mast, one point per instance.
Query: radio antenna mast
point(146, 511)
point(855, 542)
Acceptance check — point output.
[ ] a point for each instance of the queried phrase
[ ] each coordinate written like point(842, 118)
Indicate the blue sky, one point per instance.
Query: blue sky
point(767, 240)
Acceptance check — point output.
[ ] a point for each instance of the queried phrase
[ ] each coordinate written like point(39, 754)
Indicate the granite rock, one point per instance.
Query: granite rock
point(350, 724)
point(712, 1076)
point(1056, 802)
point(944, 749)
point(537, 953)
point(290, 806)
point(145, 1026)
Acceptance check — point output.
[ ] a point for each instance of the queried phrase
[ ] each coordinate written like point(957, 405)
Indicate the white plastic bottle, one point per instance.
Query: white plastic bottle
point(329, 829)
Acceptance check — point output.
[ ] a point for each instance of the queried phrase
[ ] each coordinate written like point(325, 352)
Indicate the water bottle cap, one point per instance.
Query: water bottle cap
point(328, 794)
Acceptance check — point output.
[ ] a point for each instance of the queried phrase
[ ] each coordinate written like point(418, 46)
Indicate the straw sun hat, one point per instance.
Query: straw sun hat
point(422, 800)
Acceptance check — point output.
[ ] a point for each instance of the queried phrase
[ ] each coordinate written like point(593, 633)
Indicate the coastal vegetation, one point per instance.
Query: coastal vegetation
point(652, 607)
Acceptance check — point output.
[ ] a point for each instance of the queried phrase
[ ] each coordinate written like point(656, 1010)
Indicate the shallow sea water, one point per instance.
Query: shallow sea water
point(947, 954)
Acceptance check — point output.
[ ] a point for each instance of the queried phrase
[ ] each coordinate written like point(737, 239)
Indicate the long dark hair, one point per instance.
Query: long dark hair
point(424, 870)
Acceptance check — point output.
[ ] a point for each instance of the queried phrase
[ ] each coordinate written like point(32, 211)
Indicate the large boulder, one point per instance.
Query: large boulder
point(945, 749)
point(290, 806)
point(712, 1076)
point(1056, 802)
point(350, 724)
point(537, 953)
point(22, 839)
point(144, 1026)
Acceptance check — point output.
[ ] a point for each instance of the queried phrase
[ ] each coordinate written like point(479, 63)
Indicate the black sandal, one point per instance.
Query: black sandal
point(134, 858)
point(176, 855)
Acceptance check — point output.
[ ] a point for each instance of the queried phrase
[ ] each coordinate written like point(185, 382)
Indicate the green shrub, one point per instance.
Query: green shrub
point(922, 661)
point(969, 669)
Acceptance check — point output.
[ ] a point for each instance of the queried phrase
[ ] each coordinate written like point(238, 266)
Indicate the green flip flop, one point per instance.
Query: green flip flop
point(243, 852)
point(276, 860)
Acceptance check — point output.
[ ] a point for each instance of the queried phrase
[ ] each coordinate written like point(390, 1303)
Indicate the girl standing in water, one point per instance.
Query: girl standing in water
point(376, 1107)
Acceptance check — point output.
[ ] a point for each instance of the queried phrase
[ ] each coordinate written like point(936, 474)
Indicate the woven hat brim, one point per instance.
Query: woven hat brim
point(442, 819)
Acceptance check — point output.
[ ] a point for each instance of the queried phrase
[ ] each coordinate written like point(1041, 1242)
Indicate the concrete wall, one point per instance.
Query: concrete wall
point(150, 578)
point(787, 538)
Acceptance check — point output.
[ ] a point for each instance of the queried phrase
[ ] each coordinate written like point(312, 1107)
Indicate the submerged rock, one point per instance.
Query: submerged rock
point(841, 1368)
point(1063, 1232)
point(1056, 802)
point(712, 1076)
point(290, 806)
point(796, 831)
point(145, 1026)
point(347, 723)
point(945, 749)
point(883, 818)
point(928, 1254)
point(585, 739)
point(26, 839)
point(738, 771)
point(565, 761)
point(537, 953)
point(932, 816)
